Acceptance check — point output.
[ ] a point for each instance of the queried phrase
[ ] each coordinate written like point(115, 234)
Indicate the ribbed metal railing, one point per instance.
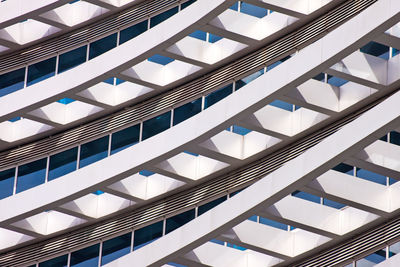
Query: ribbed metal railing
point(150, 108)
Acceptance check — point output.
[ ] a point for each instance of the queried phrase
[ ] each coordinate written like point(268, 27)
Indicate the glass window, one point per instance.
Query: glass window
point(376, 49)
point(31, 174)
point(333, 204)
point(62, 163)
point(146, 173)
point(93, 151)
point(253, 218)
point(394, 249)
point(72, 59)
point(159, 59)
point(344, 168)
point(132, 32)
point(306, 196)
point(103, 45)
point(87, 257)
point(240, 130)
point(216, 96)
point(41, 70)
point(277, 63)
point(163, 16)
point(115, 248)
point(210, 205)
point(235, 246)
point(372, 259)
point(145, 235)
point(12, 81)
point(156, 125)
point(395, 138)
point(125, 138)
point(199, 35)
point(186, 4)
point(395, 52)
point(216, 241)
point(186, 111)
point(371, 176)
point(282, 104)
point(336, 81)
point(272, 223)
point(7, 182)
point(253, 10)
point(179, 220)
point(242, 82)
point(235, 6)
point(61, 261)
point(66, 100)
point(212, 38)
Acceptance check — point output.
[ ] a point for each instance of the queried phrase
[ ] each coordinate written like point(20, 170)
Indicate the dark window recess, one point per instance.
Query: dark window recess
point(199, 35)
point(306, 196)
point(41, 71)
point(72, 59)
point(61, 261)
point(179, 220)
point(210, 205)
point(272, 223)
point(12, 81)
point(7, 182)
point(216, 96)
point(115, 248)
point(31, 174)
point(156, 125)
point(62, 163)
point(186, 111)
point(103, 45)
point(163, 16)
point(344, 168)
point(86, 257)
point(282, 104)
point(187, 3)
point(395, 138)
point(145, 235)
point(125, 138)
point(333, 204)
point(253, 10)
point(93, 151)
point(376, 49)
point(371, 176)
point(132, 32)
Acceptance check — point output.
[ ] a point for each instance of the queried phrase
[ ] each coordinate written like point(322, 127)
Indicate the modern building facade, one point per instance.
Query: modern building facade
point(199, 133)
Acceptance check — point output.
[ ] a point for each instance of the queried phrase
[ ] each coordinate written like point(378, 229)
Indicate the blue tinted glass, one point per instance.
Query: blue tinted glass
point(7, 182)
point(253, 218)
point(12, 81)
point(186, 111)
point(188, 3)
point(146, 173)
point(41, 71)
point(132, 32)
point(216, 96)
point(282, 104)
point(93, 151)
point(395, 138)
point(336, 81)
point(392, 181)
point(176, 264)
point(371, 176)
point(212, 38)
point(344, 168)
point(109, 81)
point(66, 100)
point(179, 220)
point(156, 125)
point(235, 246)
point(115, 248)
point(72, 59)
point(235, 6)
point(210, 205)
point(59, 262)
point(14, 119)
point(307, 196)
point(395, 52)
point(199, 35)
point(125, 138)
point(376, 49)
point(62, 163)
point(98, 192)
point(236, 192)
point(118, 81)
point(240, 130)
point(373, 259)
point(333, 204)
point(147, 234)
point(191, 153)
point(103, 45)
point(87, 257)
point(163, 16)
point(31, 174)
point(216, 241)
point(242, 82)
point(320, 77)
point(253, 10)
point(384, 138)
point(159, 59)
point(277, 63)
point(273, 223)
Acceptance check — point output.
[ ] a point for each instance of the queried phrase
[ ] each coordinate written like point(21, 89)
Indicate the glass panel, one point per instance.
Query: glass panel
point(132, 32)
point(156, 125)
point(240, 130)
point(87, 257)
point(31, 174)
point(242, 82)
point(145, 235)
point(41, 70)
point(212, 38)
point(159, 59)
point(210, 205)
point(253, 10)
point(66, 100)
point(272, 223)
point(282, 104)
point(320, 77)
point(93, 151)
point(199, 35)
point(216, 96)
point(394, 249)
point(12, 81)
point(188, 3)
point(163, 16)
point(307, 196)
point(344, 168)
point(72, 59)
point(61, 261)
point(216, 241)
point(125, 138)
point(371, 176)
point(235, 6)
point(277, 63)
point(7, 182)
point(395, 52)
point(336, 81)
point(253, 218)
point(376, 49)
point(333, 204)
point(114, 248)
point(395, 138)
point(235, 246)
point(179, 220)
point(186, 111)
point(372, 259)
point(62, 163)
point(103, 45)
point(146, 173)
